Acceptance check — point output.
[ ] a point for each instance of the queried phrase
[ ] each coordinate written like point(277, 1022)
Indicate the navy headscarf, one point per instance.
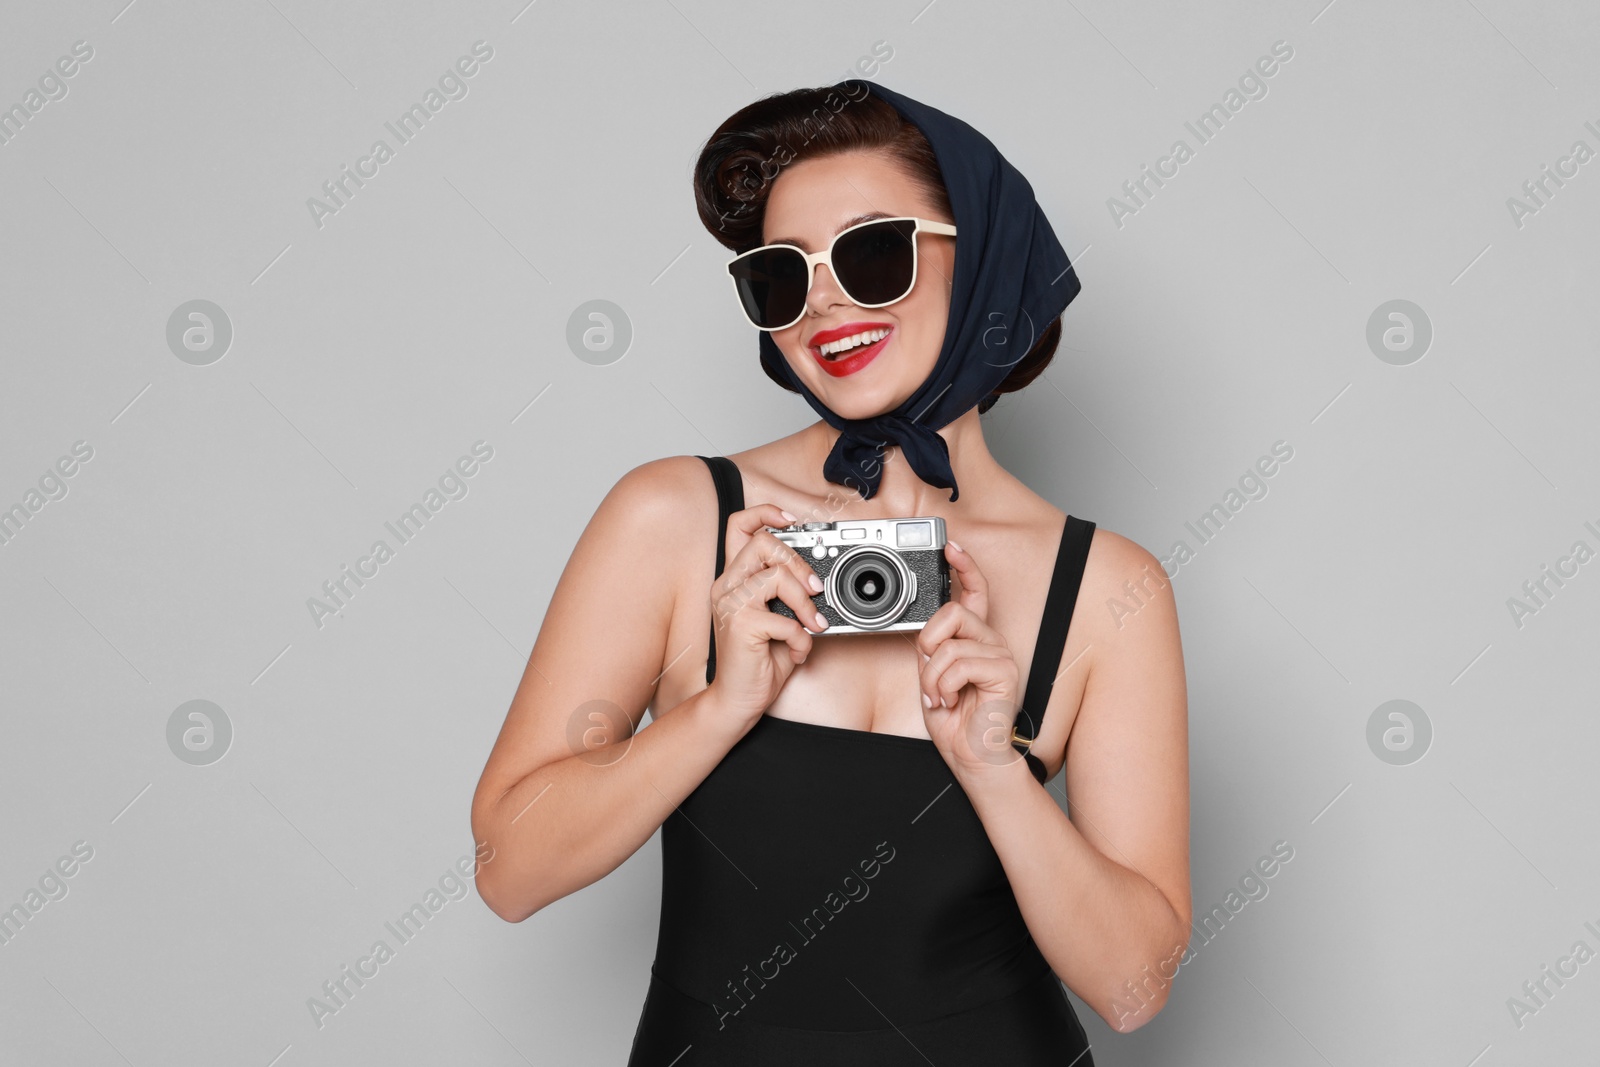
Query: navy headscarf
point(1012, 277)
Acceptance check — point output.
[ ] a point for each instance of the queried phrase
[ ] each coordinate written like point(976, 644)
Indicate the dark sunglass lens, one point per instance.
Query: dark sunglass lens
point(771, 285)
point(875, 262)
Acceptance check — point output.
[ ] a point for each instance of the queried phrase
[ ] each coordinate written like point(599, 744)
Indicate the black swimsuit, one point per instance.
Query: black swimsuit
point(830, 897)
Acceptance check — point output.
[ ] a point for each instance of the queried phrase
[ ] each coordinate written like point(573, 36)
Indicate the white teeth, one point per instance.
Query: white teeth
point(844, 344)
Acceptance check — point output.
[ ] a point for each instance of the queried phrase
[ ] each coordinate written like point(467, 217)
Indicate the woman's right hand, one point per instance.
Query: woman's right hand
point(757, 649)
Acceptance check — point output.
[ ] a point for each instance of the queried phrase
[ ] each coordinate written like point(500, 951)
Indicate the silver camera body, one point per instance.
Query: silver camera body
point(878, 575)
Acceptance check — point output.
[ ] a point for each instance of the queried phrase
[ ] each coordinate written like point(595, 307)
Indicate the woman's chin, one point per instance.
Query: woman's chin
point(858, 405)
point(862, 395)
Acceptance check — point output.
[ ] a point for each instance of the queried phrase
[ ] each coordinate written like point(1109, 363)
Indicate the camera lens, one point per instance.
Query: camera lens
point(870, 586)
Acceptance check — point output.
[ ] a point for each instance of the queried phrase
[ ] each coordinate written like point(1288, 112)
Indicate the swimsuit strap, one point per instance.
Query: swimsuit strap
point(1071, 557)
point(1062, 597)
point(730, 498)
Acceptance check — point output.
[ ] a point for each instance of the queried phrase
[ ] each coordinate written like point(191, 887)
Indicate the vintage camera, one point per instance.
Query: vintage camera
point(878, 575)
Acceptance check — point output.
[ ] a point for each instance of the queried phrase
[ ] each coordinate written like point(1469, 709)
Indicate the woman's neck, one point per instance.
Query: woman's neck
point(902, 493)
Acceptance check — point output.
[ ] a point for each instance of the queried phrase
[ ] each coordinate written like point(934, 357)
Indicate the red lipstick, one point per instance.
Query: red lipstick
point(857, 357)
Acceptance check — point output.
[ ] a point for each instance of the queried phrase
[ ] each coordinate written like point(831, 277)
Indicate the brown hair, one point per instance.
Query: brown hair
point(740, 161)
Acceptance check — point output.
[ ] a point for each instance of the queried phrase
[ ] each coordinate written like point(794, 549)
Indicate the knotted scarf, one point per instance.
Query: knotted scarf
point(1012, 277)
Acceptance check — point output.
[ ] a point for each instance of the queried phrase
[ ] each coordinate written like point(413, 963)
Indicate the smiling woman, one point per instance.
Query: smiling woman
point(737, 198)
point(889, 268)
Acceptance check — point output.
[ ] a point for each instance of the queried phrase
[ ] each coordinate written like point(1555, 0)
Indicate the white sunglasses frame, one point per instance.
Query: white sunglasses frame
point(826, 256)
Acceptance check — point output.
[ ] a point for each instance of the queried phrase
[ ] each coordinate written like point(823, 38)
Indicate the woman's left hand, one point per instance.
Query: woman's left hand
point(969, 677)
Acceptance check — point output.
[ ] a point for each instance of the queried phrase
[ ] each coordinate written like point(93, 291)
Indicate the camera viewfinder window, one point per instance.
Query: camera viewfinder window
point(914, 535)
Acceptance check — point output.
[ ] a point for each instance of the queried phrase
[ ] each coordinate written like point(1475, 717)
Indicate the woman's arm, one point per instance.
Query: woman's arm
point(559, 813)
point(1106, 893)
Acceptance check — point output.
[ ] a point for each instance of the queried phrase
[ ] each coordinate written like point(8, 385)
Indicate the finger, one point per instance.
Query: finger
point(752, 518)
point(936, 677)
point(992, 674)
point(752, 547)
point(780, 583)
point(974, 586)
point(766, 548)
point(797, 563)
point(745, 523)
point(764, 627)
point(772, 583)
point(955, 620)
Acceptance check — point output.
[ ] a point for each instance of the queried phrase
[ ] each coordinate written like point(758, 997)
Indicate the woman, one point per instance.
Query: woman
point(860, 864)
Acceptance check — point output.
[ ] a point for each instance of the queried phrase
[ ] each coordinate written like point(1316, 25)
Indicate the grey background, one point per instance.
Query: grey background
point(432, 311)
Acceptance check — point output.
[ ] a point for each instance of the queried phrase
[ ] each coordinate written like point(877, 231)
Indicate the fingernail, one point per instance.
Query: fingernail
point(822, 624)
point(786, 515)
point(927, 701)
point(816, 584)
point(953, 545)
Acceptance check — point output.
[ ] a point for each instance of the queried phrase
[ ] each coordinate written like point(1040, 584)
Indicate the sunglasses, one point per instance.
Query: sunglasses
point(875, 263)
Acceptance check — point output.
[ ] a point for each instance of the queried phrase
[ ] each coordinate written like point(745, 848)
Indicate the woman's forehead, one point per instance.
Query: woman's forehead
point(812, 201)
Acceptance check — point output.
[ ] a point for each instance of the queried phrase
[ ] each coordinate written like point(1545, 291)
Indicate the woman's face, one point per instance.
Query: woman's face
point(810, 202)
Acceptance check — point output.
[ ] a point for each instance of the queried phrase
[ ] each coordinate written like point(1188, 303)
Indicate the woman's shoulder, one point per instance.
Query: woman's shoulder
point(1124, 576)
point(1115, 556)
point(675, 487)
point(1110, 553)
point(659, 488)
point(666, 473)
